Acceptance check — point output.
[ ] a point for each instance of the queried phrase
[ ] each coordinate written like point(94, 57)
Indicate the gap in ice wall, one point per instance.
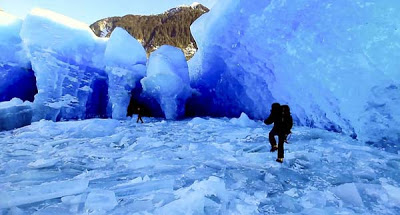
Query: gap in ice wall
point(67, 58)
point(16, 76)
point(326, 59)
point(97, 105)
point(149, 106)
point(125, 60)
point(167, 81)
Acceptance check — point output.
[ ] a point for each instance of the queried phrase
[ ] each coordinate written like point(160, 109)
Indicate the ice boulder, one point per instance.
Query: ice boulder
point(349, 194)
point(323, 58)
point(101, 201)
point(68, 62)
point(244, 121)
point(198, 197)
point(125, 60)
point(167, 80)
point(15, 114)
point(16, 77)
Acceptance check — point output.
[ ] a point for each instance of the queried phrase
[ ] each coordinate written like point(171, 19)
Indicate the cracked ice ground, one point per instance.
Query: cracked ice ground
point(198, 166)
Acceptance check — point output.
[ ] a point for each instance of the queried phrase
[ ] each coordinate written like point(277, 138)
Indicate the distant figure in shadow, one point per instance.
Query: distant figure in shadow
point(283, 122)
point(139, 116)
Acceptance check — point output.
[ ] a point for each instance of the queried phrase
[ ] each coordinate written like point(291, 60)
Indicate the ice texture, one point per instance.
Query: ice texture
point(125, 61)
point(67, 59)
point(167, 80)
point(198, 197)
point(11, 47)
point(41, 192)
point(334, 62)
point(101, 201)
point(16, 77)
point(349, 194)
point(15, 114)
point(193, 166)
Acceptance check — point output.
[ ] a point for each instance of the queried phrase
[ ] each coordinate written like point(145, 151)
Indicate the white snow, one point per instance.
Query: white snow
point(194, 4)
point(59, 18)
point(197, 166)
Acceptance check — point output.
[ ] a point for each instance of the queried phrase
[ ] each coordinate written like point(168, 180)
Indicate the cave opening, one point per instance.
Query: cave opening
point(149, 106)
point(17, 82)
point(97, 104)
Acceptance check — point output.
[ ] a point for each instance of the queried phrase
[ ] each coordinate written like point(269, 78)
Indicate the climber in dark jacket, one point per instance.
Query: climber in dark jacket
point(279, 129)
point(139, 111)
point(287, 121)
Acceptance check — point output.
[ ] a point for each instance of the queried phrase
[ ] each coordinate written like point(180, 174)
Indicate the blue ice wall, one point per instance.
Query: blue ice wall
point(66, 58)
point(16, 77)
point(326, 59)
point(125, 60)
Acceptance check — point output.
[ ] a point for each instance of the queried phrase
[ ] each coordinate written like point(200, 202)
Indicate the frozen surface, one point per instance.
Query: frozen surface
point(15, 114)
point(167, 80)
point(68, 62)
point(101, 201)
point(197, 166)
point(16, 76)
point(125, 61)
point(349, 194)
point(334, 62)
point(41, 192)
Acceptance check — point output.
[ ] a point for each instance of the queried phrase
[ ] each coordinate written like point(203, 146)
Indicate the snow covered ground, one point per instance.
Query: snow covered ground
point(196, 166)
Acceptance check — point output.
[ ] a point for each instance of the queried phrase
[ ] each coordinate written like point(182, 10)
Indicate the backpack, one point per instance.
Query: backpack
point(287, 120)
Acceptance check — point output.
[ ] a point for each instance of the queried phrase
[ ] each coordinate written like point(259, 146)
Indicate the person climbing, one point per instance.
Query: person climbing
point(287, 122)
point(139, 117)
point(275, 117)
point(282, 124)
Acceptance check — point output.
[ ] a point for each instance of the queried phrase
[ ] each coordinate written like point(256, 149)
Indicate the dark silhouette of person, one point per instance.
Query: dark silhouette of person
point(287, 121)
point(278, 130)
point(139, 116)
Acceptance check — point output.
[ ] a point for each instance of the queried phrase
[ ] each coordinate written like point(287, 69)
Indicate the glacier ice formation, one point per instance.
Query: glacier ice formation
point(125, 60)
point(16, 76)
point(167, 80)
point(66, 57)
point(334, 62)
